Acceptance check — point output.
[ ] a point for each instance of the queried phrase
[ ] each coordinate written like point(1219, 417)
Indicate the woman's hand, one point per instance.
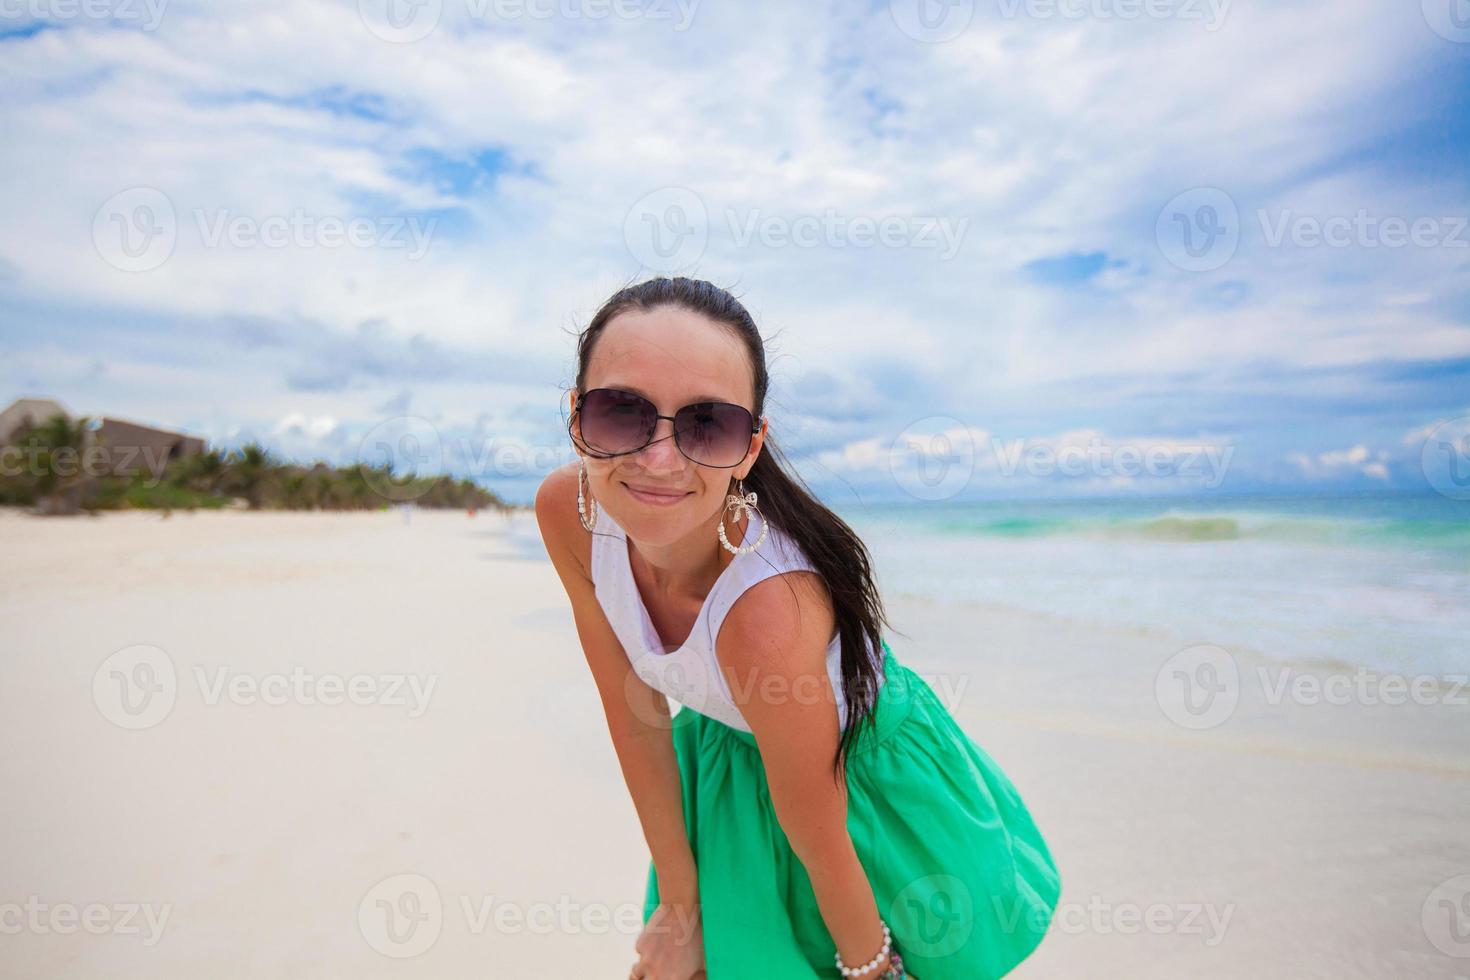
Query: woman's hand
point(671, 946)
point(887, 963)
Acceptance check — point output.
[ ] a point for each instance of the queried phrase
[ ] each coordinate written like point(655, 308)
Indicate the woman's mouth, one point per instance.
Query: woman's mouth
point(655, 497)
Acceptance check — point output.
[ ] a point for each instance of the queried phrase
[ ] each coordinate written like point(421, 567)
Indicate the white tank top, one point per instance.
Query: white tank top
point(690, 674)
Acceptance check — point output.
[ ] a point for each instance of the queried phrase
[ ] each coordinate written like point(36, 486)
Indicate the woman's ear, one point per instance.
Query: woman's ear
point(758, 444)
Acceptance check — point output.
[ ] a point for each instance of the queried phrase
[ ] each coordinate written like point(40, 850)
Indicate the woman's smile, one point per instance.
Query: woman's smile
point(655, 496)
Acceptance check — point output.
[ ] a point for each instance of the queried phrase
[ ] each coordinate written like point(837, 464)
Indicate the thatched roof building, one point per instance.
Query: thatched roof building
point(131, 446)
point(27, 413)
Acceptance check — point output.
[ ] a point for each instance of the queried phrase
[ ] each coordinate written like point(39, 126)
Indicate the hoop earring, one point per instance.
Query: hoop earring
point(743, 503)
point(582, 503)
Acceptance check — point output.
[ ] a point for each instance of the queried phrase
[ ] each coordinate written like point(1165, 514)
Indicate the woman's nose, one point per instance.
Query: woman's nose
point(661, 452)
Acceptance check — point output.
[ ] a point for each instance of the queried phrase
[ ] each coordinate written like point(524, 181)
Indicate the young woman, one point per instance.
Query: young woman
point(814, 810)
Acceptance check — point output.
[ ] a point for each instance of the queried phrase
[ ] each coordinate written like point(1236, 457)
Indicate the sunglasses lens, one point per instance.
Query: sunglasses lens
point(616, 421)
point(713, 433)
point(710, 433)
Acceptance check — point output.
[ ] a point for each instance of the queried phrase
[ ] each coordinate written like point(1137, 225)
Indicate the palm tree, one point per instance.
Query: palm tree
point(250, 469)
point(202, 472)
point(295, 493)
point(58, 446)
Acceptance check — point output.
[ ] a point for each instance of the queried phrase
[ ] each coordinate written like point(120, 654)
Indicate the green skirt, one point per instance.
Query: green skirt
point(960, 872)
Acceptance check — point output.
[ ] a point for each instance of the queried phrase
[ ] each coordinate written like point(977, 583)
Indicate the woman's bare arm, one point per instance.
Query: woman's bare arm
point(637, 716)
point(772, 649)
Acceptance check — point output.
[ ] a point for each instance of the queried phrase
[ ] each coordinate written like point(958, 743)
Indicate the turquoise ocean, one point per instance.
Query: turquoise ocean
point(1381, 582)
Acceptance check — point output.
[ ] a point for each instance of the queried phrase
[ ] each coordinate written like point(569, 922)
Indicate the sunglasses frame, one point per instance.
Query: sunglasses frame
point(582, 396)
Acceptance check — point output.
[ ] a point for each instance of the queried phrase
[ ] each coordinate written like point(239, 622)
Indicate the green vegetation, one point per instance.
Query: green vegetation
point(48, 469)
point(51, 474)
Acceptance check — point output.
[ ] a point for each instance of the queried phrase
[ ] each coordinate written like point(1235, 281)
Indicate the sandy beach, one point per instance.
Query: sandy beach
point(366, 745)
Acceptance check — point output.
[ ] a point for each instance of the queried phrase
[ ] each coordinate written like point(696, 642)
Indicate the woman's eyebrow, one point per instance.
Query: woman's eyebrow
point(638, 391)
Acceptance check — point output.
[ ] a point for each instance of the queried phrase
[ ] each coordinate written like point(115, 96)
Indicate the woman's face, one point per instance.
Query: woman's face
point(672, 357)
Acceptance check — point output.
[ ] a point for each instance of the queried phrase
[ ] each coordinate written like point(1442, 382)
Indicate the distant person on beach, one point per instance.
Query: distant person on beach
point(813, 810)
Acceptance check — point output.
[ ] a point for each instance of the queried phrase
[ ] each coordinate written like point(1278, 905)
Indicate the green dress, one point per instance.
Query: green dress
point(959, 869)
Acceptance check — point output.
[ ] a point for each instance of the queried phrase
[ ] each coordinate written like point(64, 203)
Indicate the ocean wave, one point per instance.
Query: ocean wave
point(1227, 525)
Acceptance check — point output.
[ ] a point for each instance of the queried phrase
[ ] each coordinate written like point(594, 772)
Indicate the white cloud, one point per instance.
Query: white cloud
point(315, 428)
point(1335, 462)
point(1087, 456)
point(1416, 436)
point(1046, 137)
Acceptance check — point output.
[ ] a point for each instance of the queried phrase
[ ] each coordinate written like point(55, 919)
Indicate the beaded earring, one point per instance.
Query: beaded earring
point(742, 503)
point(583, 503)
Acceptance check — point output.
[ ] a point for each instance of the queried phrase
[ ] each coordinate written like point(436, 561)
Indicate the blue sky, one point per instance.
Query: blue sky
point(1013, 223)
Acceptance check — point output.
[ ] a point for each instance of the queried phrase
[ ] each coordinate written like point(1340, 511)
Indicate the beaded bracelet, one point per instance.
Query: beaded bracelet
point(895, 970)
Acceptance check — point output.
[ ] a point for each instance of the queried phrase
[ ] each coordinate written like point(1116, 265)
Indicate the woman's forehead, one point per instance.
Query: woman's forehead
point(671, 356)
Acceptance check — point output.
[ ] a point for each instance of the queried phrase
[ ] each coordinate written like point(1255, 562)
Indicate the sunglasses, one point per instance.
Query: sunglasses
point(613, 422)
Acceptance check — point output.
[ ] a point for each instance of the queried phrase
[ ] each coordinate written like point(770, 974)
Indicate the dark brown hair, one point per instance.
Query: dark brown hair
point(838, 554)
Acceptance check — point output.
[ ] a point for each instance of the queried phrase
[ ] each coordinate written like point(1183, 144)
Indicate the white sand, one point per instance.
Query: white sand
point(260, 829)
